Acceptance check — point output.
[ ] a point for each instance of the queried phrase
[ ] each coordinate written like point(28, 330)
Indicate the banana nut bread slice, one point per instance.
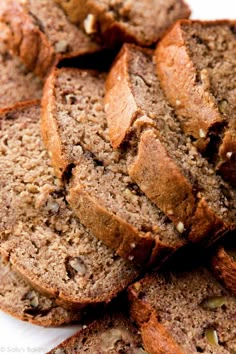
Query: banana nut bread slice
point(161, 159)
point(184, 312)
point(115, 22)
point(113, 333)
point(40, 34)
point(100, 191)
point(196, 63)
point(20, 300)
point(224, 263)
point(17, 83)
point(39, 235)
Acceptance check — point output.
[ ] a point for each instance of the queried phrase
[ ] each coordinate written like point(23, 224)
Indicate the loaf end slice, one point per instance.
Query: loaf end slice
point(184, 312)
point(160, 159)
point(28, 32)
point(20, 300)
point(113, 333)
point(39, 234)
point(102, 194)
point(196, 66)
point(116, 22)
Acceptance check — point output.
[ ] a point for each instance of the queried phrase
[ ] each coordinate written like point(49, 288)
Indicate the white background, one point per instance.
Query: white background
point(20, 337)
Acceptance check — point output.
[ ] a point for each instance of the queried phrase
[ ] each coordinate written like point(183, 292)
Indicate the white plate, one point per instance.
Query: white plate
point(19, 337)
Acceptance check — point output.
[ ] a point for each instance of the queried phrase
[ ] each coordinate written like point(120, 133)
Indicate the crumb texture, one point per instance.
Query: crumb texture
point(196, 311)
point(100, 173)
point(115, 21)
point(17, 83)
point(39, 234)
point(43, 30)
point(114, 333)
point(180, 180)
point(19, 299)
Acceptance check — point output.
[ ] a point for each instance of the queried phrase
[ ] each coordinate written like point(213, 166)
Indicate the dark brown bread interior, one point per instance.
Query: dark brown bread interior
point(185, 312)
point(161, 160)
point(116, 22)
point(100, 191)
point(112, 334)
point(17, 83)
point(29, 33)
point(20, 300)
point(39, 235)
point(196, 66)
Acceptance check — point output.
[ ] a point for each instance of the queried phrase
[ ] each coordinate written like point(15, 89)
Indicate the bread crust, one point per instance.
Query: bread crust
point(116, 232)
point(156, 338)
point(110, 228)
point(194, 101)
point(118, 87)
point(224, 267)
point(155, 177)
point(152, 168)
point(177, 76)
point(50, 130)
point(176, 197)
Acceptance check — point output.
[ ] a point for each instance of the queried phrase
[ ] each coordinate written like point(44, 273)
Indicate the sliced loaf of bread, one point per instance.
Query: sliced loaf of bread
point(224, 264)
point(20, 300)
point(197, 68)
point(39, 235)
point(40, 34)
point(161, 159)
point(184, 312)
point(112, 334)
point(17, 83)
point(116, 21)
point(102, 194)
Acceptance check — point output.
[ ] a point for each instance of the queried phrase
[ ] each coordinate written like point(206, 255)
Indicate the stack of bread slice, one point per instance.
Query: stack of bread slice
point(107, 174)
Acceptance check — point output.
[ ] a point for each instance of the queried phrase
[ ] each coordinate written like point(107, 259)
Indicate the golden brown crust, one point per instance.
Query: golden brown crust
point(176, 197)
point(118, 88)
point(20, 105)
point(206, 222)
point(50, 130)
point(156, 338)
point(114, 231)
point(155, 176)
point(177, 76)
point(224, 267)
